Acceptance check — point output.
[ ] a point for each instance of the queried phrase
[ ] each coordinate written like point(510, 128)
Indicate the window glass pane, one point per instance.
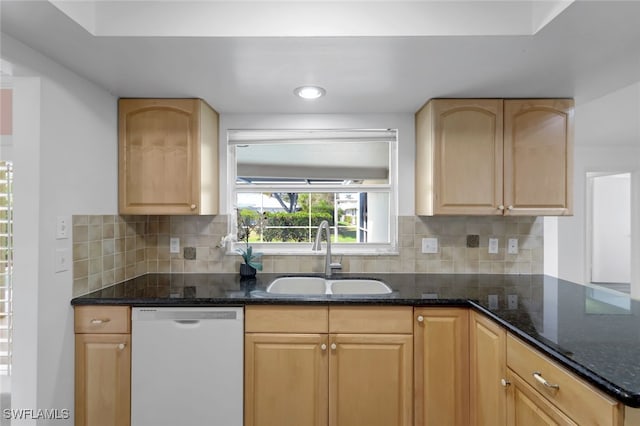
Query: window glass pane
point(293, 217)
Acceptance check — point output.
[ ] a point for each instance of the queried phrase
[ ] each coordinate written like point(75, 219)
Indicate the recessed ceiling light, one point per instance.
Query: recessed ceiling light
point(309, 92)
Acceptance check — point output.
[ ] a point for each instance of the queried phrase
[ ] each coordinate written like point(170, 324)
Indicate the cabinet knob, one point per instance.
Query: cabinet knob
point(323, 347)
point(121, 346)
point(504, 382)
point(193, 206)
point(334, 346)
point(420, 318)
point(100, 320)
point(510, 208)
point(500, 207)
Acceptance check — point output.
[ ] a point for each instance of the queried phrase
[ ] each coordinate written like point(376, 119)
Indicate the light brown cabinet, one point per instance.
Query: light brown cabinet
point(102, 366)
point(329, 364)
point(441, 366)
point(556, 387)
point(529, 408)
point(488, 364)
point(494, 157)
point(514, 384)
point(168, 157)
point(286, 380)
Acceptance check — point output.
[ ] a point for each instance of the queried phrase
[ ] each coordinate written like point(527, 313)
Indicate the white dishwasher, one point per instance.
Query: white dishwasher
point(186, 366)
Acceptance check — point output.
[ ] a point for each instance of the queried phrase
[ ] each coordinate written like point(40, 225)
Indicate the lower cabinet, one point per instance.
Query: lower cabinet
point(102, 366)
point(527, 407)
point(303, 370)
point(370, 380)
point(286, 380)
point(539, 388)
point(488, 364)
point(441, 365)
point(360, 366)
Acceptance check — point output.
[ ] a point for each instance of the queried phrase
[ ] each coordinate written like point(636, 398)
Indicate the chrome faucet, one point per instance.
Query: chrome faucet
point(317, 246)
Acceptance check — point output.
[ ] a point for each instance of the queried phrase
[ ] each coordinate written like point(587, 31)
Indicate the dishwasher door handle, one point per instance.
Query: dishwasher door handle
point(187, 322)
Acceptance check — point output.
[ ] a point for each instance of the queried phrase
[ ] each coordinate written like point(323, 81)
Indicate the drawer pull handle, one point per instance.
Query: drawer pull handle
point(121, 346)
point(100, 320)
point(538, 376)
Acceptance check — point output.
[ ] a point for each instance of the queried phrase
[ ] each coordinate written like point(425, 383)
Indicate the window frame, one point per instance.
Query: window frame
point(391, 188)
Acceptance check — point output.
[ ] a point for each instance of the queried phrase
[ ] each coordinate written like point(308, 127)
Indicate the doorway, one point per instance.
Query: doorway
point(609, 230)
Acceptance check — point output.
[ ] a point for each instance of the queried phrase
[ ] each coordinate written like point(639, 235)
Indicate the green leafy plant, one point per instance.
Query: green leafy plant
point(245, 227)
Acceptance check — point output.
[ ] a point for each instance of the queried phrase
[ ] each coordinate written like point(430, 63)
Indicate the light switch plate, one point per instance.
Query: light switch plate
point(512, 301)
point(512, 246)
point(493, 245)
point(429, 245)
point(63, 227)
point(62, 260)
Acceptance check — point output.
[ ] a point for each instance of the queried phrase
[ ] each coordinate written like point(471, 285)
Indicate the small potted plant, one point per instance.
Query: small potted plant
point(251, 259)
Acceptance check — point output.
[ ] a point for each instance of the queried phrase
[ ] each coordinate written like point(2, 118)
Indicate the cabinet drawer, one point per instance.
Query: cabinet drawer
point(366, 319)
point(102, 319)
point(286, 319)
point(585, 405)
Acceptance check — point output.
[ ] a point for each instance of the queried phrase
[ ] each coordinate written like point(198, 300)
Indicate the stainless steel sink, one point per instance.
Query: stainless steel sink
point(320, 286)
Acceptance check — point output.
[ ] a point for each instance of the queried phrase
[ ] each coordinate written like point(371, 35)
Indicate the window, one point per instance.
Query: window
point(284, 183)
point(6, 266)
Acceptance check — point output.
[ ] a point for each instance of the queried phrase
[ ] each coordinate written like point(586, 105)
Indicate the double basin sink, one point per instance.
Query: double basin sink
point(318, 286)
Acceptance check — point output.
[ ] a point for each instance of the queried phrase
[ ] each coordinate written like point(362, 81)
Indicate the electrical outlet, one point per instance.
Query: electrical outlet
point(63, 227)
point(429, 245)
point(512, 246)
point(174, 245)
point(493, 245)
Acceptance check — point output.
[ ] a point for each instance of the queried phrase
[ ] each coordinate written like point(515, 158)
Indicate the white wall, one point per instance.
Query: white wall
point(607, 139)
point(404, 123)
point(77, 148)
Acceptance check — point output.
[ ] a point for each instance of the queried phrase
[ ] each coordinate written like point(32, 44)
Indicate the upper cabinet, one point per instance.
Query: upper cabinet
point(168, 157)
point(538, 156)
point(494, 157)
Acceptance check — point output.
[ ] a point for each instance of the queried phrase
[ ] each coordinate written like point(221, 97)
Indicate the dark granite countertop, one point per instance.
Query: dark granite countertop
point(595, 333)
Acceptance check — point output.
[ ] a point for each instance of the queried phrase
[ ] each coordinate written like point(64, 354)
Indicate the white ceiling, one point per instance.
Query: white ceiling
point(589, 49)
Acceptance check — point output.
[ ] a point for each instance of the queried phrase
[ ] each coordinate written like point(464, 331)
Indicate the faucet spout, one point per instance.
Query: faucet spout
point(317, 246)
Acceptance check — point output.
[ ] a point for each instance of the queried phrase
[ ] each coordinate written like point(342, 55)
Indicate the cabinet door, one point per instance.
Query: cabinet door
point(371, 380)
point(526, 407)
point(488, 370)
point(159, 156)
point(286, 379)
point(538, 156)
point(103, 380)
point(441, 359)
point(468, 156)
